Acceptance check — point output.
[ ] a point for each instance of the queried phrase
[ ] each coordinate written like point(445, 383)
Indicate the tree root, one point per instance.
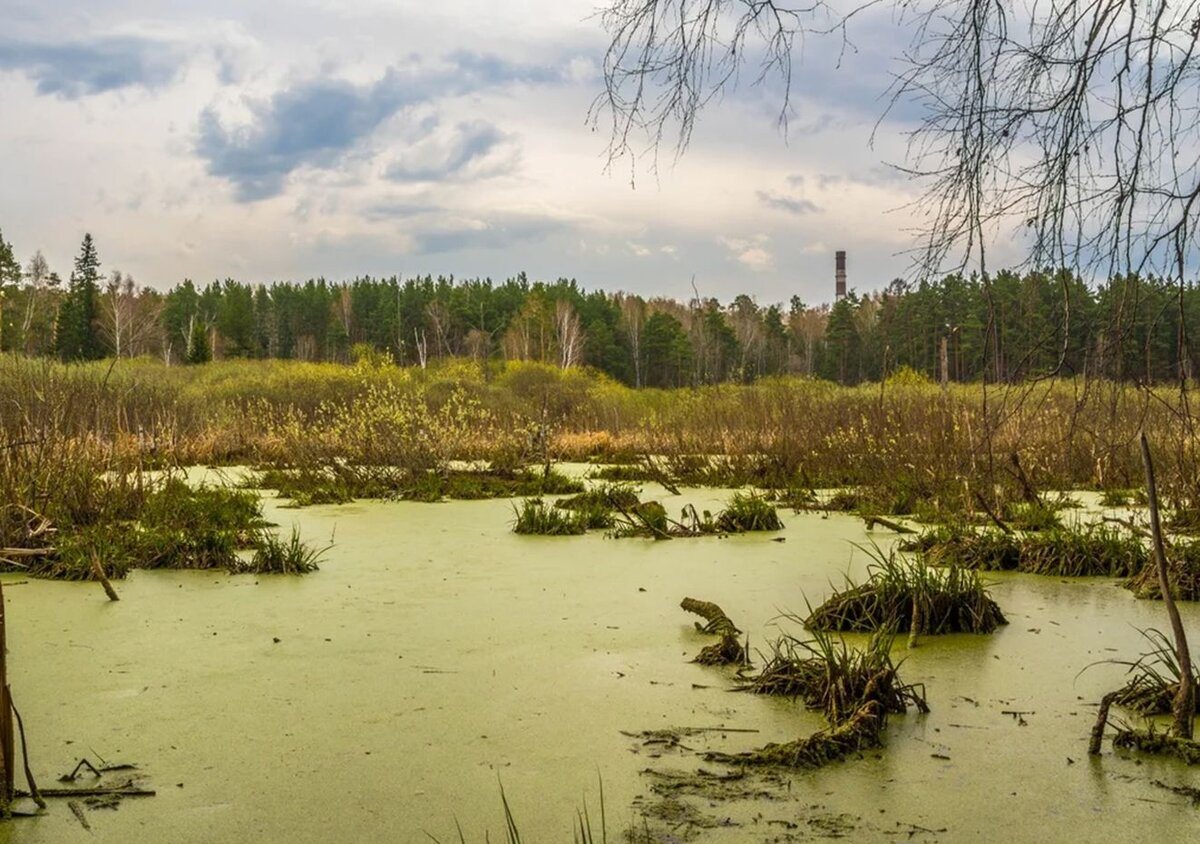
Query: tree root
point(729, 651)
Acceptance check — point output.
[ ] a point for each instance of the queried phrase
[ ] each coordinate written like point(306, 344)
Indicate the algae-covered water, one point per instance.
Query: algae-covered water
point(437, 656)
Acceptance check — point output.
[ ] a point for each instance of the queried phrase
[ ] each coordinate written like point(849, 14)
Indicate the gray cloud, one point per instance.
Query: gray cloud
point(791, 204)
point(446, 156)
point(75, 69)
point(496, 231)
point(315, 121)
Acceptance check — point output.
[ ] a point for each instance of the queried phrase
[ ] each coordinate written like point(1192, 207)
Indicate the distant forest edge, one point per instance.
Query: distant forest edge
point(1042, 323)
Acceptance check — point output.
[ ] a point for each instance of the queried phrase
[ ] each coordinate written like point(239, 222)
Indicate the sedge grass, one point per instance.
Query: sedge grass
point(535, 517)
point(909, 597)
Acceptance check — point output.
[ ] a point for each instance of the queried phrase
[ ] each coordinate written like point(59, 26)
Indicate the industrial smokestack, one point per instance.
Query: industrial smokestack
point(840, 274)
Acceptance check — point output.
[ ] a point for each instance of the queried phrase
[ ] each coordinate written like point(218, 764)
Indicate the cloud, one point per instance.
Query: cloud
point(314, 122)
point(794, 205)
point(76, 69)
point(494, 231)
point(473, 148)
point(750, 251)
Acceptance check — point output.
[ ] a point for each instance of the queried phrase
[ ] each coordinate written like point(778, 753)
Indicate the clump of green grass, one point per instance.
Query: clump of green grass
point(911, 597)
point(306, 487)
point(1183, 574)
point(746, 512)
point(340, 484)
point(180, 506)
point(1095, 551)
point(1028, 516)
point(606, 495)
point(1090, 551)
point(536, 517)
point(275, 555)
point(596, 506)
point(1154, 679)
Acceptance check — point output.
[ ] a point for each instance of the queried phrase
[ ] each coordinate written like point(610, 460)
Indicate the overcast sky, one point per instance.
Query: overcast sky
point(291, 139)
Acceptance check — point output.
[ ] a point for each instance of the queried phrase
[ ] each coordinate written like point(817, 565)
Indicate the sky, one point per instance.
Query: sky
point(302, 138)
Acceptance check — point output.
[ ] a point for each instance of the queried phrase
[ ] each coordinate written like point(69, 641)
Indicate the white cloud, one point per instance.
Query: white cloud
point(750, 251)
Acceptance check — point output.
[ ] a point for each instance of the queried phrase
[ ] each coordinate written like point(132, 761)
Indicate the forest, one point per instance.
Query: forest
point(1002, 328)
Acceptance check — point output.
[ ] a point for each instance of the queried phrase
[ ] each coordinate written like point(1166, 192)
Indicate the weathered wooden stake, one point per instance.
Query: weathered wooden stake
point(6, 722)
point(1183, 708)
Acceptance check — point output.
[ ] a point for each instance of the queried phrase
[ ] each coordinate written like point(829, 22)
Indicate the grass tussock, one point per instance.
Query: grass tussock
point(1091, 551)
point(275, 555)
point(1183, 574)
point(535, 517)
point(597, 507)
point(910, 597)
point(1154, 678)
point(855, 688)
point(748, 512)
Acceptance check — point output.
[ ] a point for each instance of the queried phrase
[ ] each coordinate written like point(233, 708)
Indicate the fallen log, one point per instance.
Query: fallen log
point(894, 527)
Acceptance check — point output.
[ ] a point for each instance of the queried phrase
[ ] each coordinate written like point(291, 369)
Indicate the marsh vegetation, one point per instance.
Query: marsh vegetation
point(96, 469)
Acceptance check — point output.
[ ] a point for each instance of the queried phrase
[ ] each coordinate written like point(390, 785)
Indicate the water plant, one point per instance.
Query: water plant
point(535, 516)
point(274, 555)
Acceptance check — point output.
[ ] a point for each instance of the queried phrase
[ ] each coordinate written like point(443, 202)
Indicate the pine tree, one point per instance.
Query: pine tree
point(10, 277)
point(77, 337)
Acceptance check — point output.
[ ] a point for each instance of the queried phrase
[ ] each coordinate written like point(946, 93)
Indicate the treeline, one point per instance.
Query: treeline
point(1010, 327)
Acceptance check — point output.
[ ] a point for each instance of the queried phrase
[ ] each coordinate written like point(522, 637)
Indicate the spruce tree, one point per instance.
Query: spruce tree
point(199, 350)
point(77, 337)
point(10, 277)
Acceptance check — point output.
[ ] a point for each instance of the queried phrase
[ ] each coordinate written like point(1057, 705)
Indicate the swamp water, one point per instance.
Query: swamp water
point(436, 655)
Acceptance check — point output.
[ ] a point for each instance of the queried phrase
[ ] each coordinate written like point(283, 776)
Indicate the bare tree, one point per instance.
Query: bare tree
point(1073, 121)
point(568, 334)
point(129, 318)
point(633, 318)
point(37, 276)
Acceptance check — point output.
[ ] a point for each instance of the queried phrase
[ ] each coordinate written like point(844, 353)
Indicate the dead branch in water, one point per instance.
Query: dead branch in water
point(894, 527)
point(1106, 703)
point(729, 651)
point(98, 571)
